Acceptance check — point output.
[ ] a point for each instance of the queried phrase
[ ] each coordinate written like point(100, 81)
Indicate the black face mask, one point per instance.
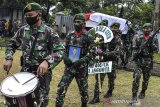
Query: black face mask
point(31, 20)
point(78, 27)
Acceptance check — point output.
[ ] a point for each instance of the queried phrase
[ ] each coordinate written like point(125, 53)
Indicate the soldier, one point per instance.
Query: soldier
point(144, 63)
point(40, 46)
point(103, 22)
point(127, 44)
point(110, 52)
point(115, 26)
point(77, 69)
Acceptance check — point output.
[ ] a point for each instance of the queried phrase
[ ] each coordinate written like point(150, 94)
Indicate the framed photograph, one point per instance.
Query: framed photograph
point(74, 53)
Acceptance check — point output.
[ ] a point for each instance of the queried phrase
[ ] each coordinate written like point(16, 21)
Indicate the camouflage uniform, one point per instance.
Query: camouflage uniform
point(47, 48)
point(110, 57)
point(111, 51)
point(80, 71)
point(127, 43)
point(115, 26)
point(143, 64)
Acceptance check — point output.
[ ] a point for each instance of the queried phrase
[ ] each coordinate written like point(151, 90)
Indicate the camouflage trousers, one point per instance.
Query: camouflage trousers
point(145, 68)
point(81, 77)
point(44, 84)
point(111, 79)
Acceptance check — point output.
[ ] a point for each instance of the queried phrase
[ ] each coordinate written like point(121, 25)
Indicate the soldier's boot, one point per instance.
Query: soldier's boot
point(142, 94)
point(95, 99)
point(134, 99)
point(58, 106)
point(108, 94)
point(84, 104)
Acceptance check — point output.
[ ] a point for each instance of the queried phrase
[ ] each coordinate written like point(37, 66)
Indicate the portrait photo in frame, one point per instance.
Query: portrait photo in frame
point(74, 53)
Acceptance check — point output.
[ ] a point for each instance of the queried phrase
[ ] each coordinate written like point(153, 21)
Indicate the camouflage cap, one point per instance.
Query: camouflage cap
point(32, 7)
point(104, 22)
point(115, 24)
point(147, 25)
point(79, 16)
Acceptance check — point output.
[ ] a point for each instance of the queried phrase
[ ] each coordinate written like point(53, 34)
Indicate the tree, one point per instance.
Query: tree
point(75, 6)
point(157, 15)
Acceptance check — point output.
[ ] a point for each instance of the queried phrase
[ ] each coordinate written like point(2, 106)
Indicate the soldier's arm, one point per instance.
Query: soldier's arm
point(55, 48)
point(14, 43)
point(154, 44)
point(116, 52)
point(89, 57)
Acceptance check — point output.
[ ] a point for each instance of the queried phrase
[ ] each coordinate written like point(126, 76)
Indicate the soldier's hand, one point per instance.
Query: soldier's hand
point(42, 68)
point(7, 65)
point(97, 57)
point(67, 61)
point(99, 51)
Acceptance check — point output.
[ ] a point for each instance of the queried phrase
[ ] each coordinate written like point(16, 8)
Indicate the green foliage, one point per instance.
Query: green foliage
point(137, 11)
point(143, 11)
point(75, 6)
point(2, 40)
point(157, 57)
point(110, 10)
point(139, 14)
point(52, 19)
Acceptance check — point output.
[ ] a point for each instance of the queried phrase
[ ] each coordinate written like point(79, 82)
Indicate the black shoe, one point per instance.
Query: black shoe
point(94, 100)
point(133, 101)
point(142, 95)
point(58, 106)
point(84, 105)
point(108, 94)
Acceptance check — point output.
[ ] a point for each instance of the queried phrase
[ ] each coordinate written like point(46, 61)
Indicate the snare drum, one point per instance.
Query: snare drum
point(19, 94)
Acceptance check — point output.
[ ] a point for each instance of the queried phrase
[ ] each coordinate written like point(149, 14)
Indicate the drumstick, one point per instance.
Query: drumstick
point(13, 76)
point(30, 79)
point(33, 78)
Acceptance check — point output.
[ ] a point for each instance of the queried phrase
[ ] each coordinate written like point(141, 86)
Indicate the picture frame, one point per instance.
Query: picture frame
point(74, 53)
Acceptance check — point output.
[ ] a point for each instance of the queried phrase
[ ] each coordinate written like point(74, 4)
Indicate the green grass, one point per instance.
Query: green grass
point(122, 91)
point(157, 57)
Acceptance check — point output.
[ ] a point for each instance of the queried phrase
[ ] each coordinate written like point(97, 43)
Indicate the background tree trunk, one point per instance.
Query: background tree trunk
point(157, 15)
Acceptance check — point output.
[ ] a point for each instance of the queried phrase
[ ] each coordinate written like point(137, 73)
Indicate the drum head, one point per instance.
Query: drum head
point(11, 88)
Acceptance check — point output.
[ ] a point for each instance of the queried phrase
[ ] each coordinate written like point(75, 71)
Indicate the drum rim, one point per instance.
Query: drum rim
point(21, 95)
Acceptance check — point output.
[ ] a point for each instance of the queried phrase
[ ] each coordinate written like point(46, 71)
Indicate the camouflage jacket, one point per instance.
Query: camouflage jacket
point(47, 46)
point(83, 41)
point(112, 50)
point(147, 51)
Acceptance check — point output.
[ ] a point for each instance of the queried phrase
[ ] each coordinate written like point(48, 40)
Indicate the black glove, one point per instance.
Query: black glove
point(67, 61)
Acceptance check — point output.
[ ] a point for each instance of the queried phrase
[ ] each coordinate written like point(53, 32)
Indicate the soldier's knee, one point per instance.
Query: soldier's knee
point(112, 75)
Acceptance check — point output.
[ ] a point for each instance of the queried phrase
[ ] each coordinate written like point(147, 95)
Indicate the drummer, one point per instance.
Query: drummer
point(40, 46)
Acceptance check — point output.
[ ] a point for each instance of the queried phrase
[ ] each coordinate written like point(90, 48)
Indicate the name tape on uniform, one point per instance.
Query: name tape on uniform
point(101, 67)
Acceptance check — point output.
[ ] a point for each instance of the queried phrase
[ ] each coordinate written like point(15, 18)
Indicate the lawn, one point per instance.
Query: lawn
point(121, 94)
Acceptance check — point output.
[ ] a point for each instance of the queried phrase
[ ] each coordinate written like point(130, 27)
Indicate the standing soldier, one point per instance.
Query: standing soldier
point(115, 26)
point(110, 52)
point(78, 68)
point(41, 49)
point(104, 22)
point(144, 61)
point(127, 44)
